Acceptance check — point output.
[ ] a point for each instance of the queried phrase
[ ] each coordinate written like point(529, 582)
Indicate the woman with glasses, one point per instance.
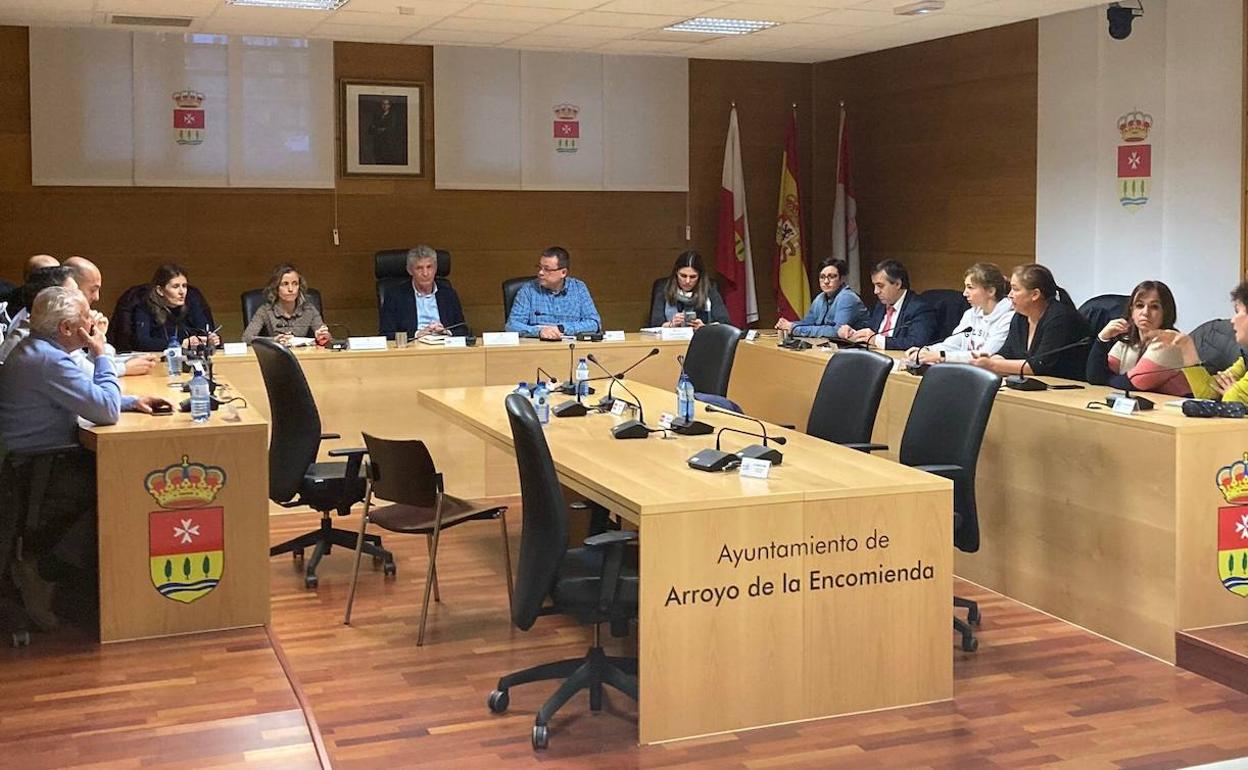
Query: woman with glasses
point(835, 306)
point(687, 297)
point(984, 326)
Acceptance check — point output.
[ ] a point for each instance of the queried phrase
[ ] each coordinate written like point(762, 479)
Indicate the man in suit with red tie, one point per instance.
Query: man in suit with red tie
point(901, 319)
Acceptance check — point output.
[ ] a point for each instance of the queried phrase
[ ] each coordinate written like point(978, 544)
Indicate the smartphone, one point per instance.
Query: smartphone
point(691, 316)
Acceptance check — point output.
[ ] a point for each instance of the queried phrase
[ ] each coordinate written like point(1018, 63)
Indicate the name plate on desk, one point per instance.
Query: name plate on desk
point(366, 343)
point(613, 336)
point(493, 339)
point(755, 468)
point(456, 342)
point(1125, 406)
point(751, 335)
point(676, 333)
point(235, 349)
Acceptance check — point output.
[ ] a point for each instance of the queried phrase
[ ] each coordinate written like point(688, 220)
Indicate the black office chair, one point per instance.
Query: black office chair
point(121, 323)
point(848, 398)
point(591, 583)
point(943, 435)
point(511, 287)
point(252, 299)
point(950, 305)
point(1216, 345)
point(293, 470)
point(25, 478)
point(1102, 309)
point(390, 269)
point(708, 360)
point(401, 472)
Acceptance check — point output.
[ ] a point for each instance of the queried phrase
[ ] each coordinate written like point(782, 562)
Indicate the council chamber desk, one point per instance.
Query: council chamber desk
point(822, 590)
point(1107, 521)
point(183, 519)
point(375, 392)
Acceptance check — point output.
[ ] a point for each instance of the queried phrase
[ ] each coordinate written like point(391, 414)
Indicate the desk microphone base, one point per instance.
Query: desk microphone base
point(760, 452)
point(713, 460)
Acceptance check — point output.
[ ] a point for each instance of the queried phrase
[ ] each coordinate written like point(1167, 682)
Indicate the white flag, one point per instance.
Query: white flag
point(845, 210)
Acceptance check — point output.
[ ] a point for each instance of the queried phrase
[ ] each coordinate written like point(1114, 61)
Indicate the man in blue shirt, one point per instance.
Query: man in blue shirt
point(554, 304)
point(43, 392)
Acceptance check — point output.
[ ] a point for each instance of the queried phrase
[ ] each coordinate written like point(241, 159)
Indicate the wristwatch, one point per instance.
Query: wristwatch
point(942, 355)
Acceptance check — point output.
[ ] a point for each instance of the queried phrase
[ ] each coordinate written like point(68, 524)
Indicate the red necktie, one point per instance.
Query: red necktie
point(888, 320)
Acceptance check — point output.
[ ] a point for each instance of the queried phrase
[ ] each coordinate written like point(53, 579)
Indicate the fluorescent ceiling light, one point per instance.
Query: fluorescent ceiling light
point(303, 5)
point(919, 8)
point(713, 26)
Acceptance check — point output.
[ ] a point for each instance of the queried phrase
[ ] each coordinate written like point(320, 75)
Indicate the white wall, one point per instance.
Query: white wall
point(1182, 64)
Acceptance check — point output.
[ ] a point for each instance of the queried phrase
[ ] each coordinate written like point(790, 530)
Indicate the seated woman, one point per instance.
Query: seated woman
point(984, 326)
point(287, 313)
point(1229, 384)
point(1130, 353)
point(688, 298)
point(835, 306)
point(1045, 332)
point(172, 312)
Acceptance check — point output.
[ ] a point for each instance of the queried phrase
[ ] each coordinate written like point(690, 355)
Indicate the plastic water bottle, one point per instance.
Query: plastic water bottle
point(200, 406)
point(523, 389)
point(541, 403)
point(173, 356)
point(684, 398)
point(582, 378)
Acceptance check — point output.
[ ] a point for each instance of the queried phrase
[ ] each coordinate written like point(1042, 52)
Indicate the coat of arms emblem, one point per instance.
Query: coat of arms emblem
point(188, 117)
point(186, 540)
point(1232, 482)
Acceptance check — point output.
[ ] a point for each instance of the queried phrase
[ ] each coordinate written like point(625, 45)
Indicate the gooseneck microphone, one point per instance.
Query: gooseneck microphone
point(753, 451)
point(1023, 382)
point(576, 407)
point(606, 401)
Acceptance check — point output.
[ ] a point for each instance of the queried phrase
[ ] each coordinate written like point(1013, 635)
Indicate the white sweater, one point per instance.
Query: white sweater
point(987, 332)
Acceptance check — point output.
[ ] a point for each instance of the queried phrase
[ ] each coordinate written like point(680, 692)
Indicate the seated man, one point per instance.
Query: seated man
point(89, 280)
point(39, 279)
point(11, 303)
point(553, 304)
point(900, 320)
point(42, 395)
point(427, 306)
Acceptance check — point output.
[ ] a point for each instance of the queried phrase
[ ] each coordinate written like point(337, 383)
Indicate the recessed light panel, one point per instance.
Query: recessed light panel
point(713, 26)
point(302, 5)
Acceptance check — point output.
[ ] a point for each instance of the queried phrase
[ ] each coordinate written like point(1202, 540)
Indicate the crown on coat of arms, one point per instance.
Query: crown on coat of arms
point(566, 111)
point(185, 484)
point(1233, 481)
point(188, 99)
point(1134, 126)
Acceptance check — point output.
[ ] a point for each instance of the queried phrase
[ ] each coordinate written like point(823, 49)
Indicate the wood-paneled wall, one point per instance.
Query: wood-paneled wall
point(943, 143)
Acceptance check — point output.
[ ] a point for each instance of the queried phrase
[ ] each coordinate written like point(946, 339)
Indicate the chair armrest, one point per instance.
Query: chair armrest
point(349, 452)
point(788, 426)
point(868, 448)
point(951, 472)
point(611, 537)
point(355, 458)
point(327, 436)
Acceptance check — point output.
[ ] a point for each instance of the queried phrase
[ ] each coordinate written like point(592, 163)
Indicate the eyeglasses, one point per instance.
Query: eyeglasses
point(828, 278)
point(545, 270)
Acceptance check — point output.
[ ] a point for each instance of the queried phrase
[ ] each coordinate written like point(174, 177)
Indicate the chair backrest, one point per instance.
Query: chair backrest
point(121, 323)
point(1215, 343)
point(390, 269)
point(1102, 309)
point(654, 289)
point(950, 305)
point(848, 397)
point(946, 427)
point(295, 423)
point(252, 299)
point(402, 471)
point(708, 361)
point(511, 287)
point(544, 526)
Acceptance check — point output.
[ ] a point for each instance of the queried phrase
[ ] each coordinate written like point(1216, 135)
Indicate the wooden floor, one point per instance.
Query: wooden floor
point(1038, 692)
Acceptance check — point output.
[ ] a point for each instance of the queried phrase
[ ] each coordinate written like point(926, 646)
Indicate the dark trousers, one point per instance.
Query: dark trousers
point(50, 500)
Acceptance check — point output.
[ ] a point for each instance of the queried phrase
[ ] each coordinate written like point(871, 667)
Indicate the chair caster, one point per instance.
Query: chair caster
point(970, 644)
point(541, 737)
point(498, 701)
point(21, 639)
point(390, 569)
point(310, 581)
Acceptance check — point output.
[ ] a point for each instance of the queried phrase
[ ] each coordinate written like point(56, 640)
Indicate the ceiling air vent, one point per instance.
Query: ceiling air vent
point(150, 21)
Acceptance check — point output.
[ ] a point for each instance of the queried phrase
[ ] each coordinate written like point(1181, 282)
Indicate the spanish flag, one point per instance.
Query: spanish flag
point(792, 281)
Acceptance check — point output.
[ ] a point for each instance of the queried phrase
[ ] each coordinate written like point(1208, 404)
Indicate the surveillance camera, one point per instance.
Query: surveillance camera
point(1120, 20)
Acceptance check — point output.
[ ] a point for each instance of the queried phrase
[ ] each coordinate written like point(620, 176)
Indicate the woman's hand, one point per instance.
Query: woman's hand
point(845, 332)
point(696, 324)
point(677, 320)
point(1223, 381)
point(322, 335)
point(1186, 346)
point(929, 356)
point(1115, 328)
point(284, 339)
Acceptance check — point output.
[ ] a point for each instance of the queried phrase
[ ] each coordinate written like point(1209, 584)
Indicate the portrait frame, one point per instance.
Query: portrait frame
point(382, 128)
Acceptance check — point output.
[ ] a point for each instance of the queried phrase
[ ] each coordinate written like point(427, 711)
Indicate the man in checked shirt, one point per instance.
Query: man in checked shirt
point(553, 304)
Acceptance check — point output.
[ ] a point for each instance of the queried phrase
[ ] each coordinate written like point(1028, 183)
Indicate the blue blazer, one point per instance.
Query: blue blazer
point(398, 309)
point(917, 324)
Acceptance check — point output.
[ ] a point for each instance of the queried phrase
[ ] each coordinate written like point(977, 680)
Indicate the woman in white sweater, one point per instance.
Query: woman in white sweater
point(983, 327)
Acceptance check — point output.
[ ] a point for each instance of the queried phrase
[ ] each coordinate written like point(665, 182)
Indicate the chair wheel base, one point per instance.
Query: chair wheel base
point(297, 556)
point(498, 701)
point(541, 737)
point(310, 581)
point(970, 644)
point(973, 617)
point(390, 569)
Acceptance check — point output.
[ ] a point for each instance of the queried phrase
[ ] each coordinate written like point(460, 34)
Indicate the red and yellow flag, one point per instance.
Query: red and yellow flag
point(789, 269)
point(733, 261)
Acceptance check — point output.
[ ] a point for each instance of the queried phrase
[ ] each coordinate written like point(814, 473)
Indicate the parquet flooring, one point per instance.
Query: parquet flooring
point(1038, 692)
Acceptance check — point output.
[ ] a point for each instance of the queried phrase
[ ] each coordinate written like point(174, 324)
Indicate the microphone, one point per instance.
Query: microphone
point(568, 387)
point(575, 407)
point(605, 401)
point(338, 342)
point(1022, 382)
point(632, 428)
point(1142, 404)
point(919, 369)
point(550, 378)
point(754, 450)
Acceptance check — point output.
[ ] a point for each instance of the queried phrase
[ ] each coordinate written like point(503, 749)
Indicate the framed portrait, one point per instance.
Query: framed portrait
point(382, 128)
